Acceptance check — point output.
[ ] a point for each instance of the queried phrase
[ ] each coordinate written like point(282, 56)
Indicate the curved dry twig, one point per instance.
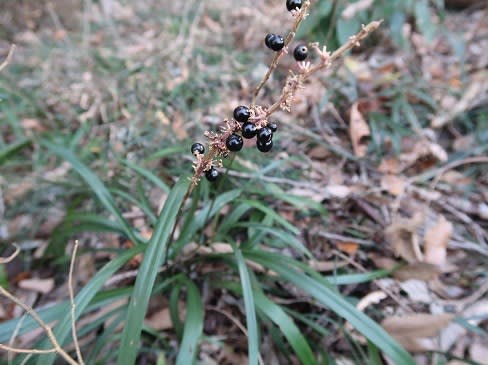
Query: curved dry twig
point(7, 60)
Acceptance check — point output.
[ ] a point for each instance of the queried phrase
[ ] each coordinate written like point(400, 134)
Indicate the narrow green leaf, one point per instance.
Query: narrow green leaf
point(153, 258)
point(95, 184)
point(287, 326)
point(193, 330)
point(83, 299)
point(336, 303)
point(251, 321)
point(148, 175)
point(15, 147)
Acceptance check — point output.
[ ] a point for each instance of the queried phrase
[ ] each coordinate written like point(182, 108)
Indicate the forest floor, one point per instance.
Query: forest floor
point(391, 145)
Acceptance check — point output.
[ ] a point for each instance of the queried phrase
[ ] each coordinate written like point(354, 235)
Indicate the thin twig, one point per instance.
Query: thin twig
point(6, 260)
point(9, 57)
point(26, 351)
point(300, 16)
point(236, 322)
point(41, 323)
point(328, 59)
point(73, 304)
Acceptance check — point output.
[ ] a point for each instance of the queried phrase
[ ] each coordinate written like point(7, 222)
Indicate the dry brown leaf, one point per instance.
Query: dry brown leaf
point(436, 240)
point(348, 247)
point(402, 236)
point(413, 331)
point(389, 166)
point(418, 270)
point(43, 286)
point(160, 320)
point(394, 184)
point(358, 131)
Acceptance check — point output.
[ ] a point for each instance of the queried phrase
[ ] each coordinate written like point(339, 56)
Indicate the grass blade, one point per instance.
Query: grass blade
point(95, 184)
point(147, 174)
point(84, 298)
point(336, 303)
point(9, 150)
point(193, 329)
point(287, 326)
point(153, 257)
point(251, 321)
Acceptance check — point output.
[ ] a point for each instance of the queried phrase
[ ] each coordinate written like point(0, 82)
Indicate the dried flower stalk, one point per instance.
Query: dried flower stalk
point(294, 82)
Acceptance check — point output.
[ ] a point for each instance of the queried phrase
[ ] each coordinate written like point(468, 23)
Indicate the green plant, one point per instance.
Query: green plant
point(251, 265)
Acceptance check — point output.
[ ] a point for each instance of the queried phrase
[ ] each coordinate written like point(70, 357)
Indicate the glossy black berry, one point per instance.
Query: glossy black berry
point(234, 142)
point(265, 135)
point(242, 113)
point(273, 126)
point(212, 174)
point(248, 130)
point(197, 149)
point(300, 52)
point(274, 42)
point(268, 38)
point(264, 147)
point(293, 4)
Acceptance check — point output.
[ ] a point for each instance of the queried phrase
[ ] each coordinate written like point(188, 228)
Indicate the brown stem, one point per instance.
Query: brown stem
point(299, 18)
point(41, 323)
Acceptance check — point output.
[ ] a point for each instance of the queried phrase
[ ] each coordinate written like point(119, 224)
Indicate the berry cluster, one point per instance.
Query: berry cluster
point(248, 122)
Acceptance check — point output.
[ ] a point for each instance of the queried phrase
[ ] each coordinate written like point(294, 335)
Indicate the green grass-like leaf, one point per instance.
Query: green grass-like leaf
point(83, 299)
point(154, 256)
point(287, 326)
point(336, 303)
point(9, 150)
point(193, 328)
point(95, 184)
point(251, 321)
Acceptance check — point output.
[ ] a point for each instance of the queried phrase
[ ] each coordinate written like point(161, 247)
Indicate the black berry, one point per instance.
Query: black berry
point(272, 126)
point(264, 147)
point(242, 114)
point(293, 4)
point(300, 52)
point(268, 38)
point(212, 174)
point(234, 142)
point(248, 130)
point(265, 135)
point(274, 42)
point(197, 149)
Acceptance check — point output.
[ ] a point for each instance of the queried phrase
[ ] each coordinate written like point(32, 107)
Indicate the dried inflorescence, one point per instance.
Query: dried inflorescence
point(254, 120)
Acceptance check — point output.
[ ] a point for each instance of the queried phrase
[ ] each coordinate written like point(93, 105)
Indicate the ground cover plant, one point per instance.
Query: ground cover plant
point(336, 211)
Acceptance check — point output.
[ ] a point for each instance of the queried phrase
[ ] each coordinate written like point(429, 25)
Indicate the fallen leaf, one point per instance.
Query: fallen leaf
point(394, 184)
point(358, 131)
point(160, 320)
point(43, 286)
point(435, 242)
point(389, 166)
point(402, 236)
point(348, 247)
point(413, 330)
point(418, 270)
point(416, 290)
point(372, 298)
